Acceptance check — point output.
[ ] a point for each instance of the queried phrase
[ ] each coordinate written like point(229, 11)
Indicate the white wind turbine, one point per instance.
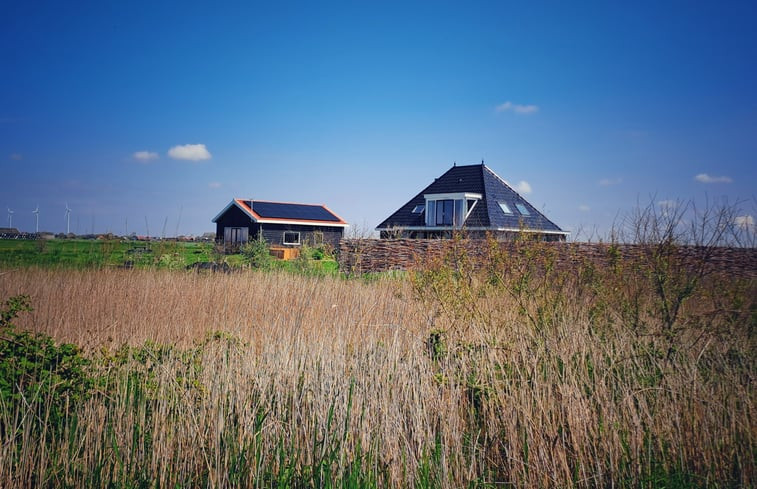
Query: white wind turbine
point(36, 217)
point(68, 219)
point(10, 218)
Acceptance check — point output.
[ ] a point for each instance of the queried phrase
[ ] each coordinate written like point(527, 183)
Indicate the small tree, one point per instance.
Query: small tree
point(256, 251)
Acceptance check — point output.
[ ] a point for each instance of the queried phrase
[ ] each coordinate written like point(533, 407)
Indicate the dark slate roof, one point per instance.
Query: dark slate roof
point(285, 212)
point(487, 213)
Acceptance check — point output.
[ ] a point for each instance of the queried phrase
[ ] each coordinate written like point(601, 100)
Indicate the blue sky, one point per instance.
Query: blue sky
point(156, 114)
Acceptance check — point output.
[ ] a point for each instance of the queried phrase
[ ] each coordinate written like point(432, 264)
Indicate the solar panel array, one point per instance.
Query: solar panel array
point(278, 210)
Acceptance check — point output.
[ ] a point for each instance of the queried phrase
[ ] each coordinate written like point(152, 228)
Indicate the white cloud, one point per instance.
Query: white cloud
point(705, 178)
point(744, 222)
point(606, 182)
point(523, 187)
point(584, 208)
point(16, 156)
point(214, 185)
point(145, 156)
point(668, 204)
point(517, 108)
point(191, 152)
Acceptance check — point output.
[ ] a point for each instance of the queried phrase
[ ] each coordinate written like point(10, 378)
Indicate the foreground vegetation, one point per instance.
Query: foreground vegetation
point(511, 368)
point(464, 374)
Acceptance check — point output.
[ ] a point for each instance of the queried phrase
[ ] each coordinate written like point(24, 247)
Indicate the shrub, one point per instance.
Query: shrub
point(33, 368)
point(257, 253)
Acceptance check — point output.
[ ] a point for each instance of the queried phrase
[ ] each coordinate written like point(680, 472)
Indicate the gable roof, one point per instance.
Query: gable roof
point(487, 213)
point(266, 212)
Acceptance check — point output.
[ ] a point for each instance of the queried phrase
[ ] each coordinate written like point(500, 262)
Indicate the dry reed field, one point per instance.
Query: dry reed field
point(513, 374)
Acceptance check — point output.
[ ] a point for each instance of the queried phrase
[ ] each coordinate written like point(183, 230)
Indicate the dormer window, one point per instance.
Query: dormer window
point(448, 210)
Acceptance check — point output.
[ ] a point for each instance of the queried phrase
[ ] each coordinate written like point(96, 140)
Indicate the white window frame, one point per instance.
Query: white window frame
point(431, 200)
point(295, 243)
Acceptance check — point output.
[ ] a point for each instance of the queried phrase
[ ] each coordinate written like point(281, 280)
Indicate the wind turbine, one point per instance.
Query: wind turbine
point(68, 219)
point(10, 218)
point(36, 217)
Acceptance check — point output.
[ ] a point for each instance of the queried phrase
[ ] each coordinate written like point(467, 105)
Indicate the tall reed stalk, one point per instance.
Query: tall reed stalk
point(513, 373)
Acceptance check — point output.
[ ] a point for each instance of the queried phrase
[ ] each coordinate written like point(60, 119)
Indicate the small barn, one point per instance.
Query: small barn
point(278, 223)
point(471, 198)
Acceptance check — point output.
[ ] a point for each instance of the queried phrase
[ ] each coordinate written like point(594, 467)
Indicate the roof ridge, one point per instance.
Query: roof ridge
point(278, 202)
point(504, 182)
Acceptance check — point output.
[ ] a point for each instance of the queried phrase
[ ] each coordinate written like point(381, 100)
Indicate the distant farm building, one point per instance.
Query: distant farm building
point(279, 223)
point(473, 199)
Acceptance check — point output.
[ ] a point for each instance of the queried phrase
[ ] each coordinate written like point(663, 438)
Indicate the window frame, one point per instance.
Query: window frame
point(462, 203)
point(522, 209)
point(291, 243)
point(447, 215)
point(505, 208)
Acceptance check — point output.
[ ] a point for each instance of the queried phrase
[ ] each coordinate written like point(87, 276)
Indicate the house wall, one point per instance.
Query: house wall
point(274, 233)
point(233, 217)
point(447, 234)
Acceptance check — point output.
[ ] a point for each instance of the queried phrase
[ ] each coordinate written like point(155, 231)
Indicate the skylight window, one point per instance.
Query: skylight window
point(418, 209)
point(522, 209)
point(504, 208)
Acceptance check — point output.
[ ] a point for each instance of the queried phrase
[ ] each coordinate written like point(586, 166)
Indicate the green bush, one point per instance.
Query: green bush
point(34, 368)
point(257, 253)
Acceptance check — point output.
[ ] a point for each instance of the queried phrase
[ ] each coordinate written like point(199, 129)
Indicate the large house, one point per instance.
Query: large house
point(279, 223)
point(473, 199)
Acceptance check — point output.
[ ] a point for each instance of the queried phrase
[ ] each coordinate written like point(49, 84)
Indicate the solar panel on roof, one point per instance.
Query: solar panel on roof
point(278, 210)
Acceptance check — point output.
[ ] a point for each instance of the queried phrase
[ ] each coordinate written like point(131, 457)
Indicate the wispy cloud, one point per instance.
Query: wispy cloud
point(705, 178)
point(16, 156)
point(668, 204)
point(584, 208)
point(523, 187)
point(517, 108)
point(744, 222)
point(145, 156)
point(606, 182)
point(191, 152)
point(214, 185)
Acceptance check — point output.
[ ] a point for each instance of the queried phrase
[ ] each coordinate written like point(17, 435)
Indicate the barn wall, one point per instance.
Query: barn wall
point(274, 233)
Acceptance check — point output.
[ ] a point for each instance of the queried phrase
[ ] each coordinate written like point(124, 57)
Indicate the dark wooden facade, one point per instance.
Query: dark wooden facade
point(234, 228)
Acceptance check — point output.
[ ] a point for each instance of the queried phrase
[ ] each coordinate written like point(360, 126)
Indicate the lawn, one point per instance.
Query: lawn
point(102, 253)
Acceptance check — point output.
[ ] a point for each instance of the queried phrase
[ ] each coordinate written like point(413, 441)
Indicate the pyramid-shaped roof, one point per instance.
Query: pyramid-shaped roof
point(490, 211)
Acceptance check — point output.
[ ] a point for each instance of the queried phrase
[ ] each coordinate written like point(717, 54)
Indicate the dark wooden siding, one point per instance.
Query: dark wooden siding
point(233, 217)
point(274, 233)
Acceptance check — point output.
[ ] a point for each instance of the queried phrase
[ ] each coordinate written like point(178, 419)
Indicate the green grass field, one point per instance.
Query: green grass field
point(102, 253)
point(84, 254)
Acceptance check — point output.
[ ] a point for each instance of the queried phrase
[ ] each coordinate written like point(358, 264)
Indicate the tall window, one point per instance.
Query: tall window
point(444, 212)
